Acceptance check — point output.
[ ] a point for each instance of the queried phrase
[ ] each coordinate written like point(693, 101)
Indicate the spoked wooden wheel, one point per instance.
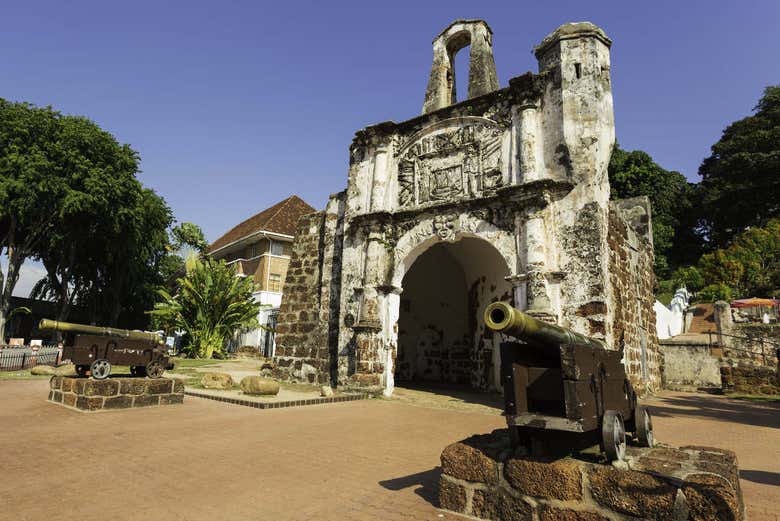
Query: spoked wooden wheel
point(644, 426)
point(100, 369)
point(154, 369)
point(613, 436)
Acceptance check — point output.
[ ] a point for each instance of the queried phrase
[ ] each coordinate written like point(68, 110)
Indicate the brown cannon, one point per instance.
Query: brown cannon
point(96, 349)
point(564, 391)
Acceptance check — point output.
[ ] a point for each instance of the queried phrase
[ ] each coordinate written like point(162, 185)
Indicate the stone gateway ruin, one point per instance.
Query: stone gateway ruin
point(501, 196)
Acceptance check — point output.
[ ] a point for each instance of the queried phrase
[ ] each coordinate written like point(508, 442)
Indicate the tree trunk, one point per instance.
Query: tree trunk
point(15, 261)
point(120, 279)
point(16, 257)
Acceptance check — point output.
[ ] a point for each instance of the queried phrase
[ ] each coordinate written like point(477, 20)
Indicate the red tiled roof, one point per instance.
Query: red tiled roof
point(280, 218)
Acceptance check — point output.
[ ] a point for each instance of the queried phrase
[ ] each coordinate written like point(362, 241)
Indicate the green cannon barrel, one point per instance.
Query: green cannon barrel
point(501, 317)
point(98, 330)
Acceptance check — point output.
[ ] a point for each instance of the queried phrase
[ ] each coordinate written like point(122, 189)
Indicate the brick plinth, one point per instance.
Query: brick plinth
point(90, 395)
point(482, 478)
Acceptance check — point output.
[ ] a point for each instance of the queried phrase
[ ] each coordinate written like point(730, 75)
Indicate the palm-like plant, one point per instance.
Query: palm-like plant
point(211, 304)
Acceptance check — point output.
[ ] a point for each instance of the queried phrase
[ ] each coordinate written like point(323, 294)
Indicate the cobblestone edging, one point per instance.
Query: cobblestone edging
point(279, 405)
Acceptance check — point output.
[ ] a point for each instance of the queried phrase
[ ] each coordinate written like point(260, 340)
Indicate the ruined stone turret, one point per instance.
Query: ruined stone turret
point(482, 69)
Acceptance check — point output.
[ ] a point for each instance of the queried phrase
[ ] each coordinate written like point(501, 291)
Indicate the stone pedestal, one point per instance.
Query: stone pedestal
point(482, 478)
point(89, 395)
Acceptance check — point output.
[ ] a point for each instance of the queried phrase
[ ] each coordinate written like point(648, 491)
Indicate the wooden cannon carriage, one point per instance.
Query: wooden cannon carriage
point(96, 349)
point(564, 391)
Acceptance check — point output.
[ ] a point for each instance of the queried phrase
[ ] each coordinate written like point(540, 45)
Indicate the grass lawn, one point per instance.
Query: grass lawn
point(756, 397)
point(21, 375)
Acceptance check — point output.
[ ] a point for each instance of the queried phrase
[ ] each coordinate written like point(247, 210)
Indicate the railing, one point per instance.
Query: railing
point(768, 352)
point(16, 358)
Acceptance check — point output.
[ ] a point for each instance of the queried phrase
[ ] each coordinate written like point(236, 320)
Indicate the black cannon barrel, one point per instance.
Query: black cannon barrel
point(502, 317)
point(98, 330)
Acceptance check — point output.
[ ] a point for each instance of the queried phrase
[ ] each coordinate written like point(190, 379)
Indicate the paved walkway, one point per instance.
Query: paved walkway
point(751, 429)
point(355, 461)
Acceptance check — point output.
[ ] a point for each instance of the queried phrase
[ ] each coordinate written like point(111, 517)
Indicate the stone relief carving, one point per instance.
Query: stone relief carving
point(456, 164)
point(445, 226)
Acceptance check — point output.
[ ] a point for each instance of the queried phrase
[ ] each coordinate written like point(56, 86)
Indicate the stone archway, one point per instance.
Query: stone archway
point(445, 289)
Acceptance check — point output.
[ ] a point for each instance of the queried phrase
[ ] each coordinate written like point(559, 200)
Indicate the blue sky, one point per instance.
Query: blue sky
point(236, 105)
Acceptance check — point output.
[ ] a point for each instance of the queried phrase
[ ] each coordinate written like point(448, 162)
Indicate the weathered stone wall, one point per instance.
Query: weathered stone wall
point(481, 478)
point(751, 344)
point(90, 395)
point(306, 334)
point(631, 280)
point(750, 378)
point(689, 366)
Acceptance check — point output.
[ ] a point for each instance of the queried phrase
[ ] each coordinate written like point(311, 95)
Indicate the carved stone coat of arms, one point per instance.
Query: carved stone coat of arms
point(451, 165)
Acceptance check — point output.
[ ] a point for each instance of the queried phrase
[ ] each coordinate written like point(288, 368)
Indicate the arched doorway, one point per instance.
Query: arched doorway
point(441, 336)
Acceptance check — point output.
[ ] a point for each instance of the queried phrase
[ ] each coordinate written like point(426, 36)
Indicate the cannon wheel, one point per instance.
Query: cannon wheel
point(154, 369)
point(613, 436)
point(644, 426)
point(100, 369)
point(81, 370)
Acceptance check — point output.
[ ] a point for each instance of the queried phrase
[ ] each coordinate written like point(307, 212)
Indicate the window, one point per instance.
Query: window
point(275, 282)
point(277, 248)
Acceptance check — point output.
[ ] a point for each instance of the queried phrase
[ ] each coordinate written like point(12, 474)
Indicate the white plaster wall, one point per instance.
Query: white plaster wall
point(667, 322)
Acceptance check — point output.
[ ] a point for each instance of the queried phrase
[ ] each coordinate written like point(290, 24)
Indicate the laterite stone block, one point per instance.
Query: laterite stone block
point(90, 395)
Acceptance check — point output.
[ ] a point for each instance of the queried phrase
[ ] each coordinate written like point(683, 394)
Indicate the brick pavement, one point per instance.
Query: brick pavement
point(355, 461)
point(206, 460)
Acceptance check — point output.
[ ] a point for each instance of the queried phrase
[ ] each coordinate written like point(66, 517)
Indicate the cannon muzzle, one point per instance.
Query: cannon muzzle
point(501, 317)
point(98, 330)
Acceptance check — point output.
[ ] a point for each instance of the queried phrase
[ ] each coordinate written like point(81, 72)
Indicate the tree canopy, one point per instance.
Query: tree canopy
point(109, 232)
point(70, 198)
point(740, 183)
point(30, 188)
point(750, 265)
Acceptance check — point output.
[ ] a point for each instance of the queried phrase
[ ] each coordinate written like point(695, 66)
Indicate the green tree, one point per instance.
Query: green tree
point(714, 293)
point(634, 173)
point(688, 276)
point(92, 216)
point(187, 234)
point(108, 232)
point(211, 304)
point(29, 189)
point(185, 239)
point(741, 178)
point(750, 265)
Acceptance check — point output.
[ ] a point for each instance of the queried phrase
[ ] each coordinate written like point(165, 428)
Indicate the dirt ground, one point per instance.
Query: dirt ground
point(370, 459)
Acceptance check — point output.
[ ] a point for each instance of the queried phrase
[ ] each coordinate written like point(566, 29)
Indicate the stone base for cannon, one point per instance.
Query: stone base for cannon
point(90, 395)
point(482, 478)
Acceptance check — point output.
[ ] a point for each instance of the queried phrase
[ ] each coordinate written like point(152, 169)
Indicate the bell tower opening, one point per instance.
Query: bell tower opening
point(442, 340)
point(460, 72)
point(470, 42)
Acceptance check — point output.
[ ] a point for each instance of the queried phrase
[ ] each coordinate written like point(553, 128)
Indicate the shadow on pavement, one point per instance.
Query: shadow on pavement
point(764, 414)
point(427, 484)
point(761, 476)
point(453, 393)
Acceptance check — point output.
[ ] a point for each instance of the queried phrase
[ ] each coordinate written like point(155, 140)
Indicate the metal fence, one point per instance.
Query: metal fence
point(14, 358)
point(759, 350)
